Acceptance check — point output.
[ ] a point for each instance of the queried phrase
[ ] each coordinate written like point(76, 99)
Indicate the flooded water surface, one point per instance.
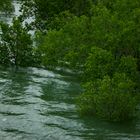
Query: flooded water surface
point(37, 104)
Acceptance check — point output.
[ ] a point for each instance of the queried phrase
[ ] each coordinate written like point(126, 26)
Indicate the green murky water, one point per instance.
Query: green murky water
point(37, 104)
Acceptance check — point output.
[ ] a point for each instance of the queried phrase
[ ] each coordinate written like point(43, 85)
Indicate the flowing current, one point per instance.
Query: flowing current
point(38, 104)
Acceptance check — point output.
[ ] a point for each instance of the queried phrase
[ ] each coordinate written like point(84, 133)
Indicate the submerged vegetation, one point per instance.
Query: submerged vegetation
point(101, 39)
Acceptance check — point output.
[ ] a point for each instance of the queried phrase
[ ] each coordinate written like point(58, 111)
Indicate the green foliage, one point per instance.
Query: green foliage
point(16, 44)
point(71, 40)
point(128, 65)
point(45, 11)
point(115, 107)
point(58, 21)
point(110, 98)
point(4, 55)
point(6, 6)
point(103, 29)
point(98, 64)
point(116, 28)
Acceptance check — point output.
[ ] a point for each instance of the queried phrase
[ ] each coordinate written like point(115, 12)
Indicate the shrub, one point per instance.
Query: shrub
point(99, 63)
point(110, 98)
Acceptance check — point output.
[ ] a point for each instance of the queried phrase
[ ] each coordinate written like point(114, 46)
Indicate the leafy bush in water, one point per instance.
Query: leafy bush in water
point(112, 99)
point(128, 65)
point(98, 64)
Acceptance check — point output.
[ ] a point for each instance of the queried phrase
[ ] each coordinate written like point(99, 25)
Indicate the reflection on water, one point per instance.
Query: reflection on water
point(38, 104)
